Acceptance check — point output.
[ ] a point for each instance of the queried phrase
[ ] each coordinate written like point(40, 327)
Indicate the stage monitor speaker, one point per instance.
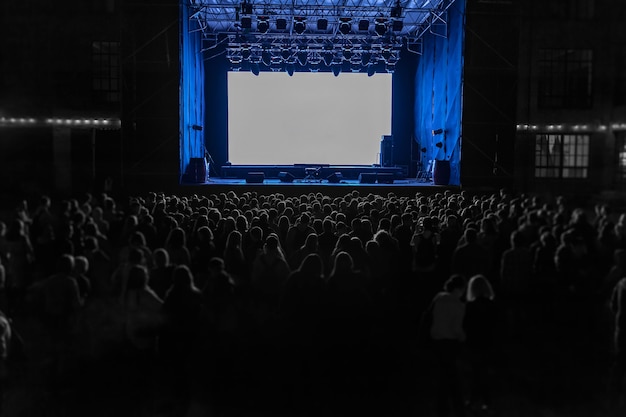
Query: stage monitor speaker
point(197, 170)
point(285, 177)
point(384, 178)
point(255, 178)
point(441, 172)
point(335, 178)
point(367, 178)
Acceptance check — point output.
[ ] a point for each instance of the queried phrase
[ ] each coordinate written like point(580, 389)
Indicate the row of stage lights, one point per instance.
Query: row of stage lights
point(29, 121)
point(339, 43)
point(346, 25)
point(336, 57)
point(570, 127)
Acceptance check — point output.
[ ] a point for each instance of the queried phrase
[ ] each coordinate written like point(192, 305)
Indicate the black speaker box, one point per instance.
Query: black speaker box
point(255, 178)
point(367, 178)
point(285, 177)
point(384, 178)
point(335, 178)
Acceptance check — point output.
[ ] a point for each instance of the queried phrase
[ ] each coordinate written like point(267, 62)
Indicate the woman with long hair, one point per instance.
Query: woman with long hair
point(480, 328)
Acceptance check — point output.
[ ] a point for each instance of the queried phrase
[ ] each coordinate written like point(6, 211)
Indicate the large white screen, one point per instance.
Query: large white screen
point(308, 118)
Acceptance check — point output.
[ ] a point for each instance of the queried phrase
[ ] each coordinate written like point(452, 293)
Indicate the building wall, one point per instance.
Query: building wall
point(570, 25)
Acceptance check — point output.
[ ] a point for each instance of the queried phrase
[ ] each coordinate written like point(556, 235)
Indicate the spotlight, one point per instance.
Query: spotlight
point(336, 69)
point(347, 52)
point(246, 8)
point(365, 58)
point(290, 68)
point(246, 22)
point(397, 25)
point(254, 68)
point(371, 70)
point(299, 25)
point(322, 24)
point(364, 25)
point(263, 24)
point(381, 26)
point(439, 144)
point(281, 23)
point(245, 51)
point(328, 58)
point(438, 132)
point(423, 150)
point(344, 25)
point(396, 11)
point(302, 57)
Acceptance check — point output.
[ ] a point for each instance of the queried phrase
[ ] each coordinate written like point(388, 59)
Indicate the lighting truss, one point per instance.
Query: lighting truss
point(393, 25)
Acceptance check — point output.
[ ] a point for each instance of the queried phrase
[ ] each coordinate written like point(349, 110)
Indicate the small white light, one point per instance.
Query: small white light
point(96, 122)
point(559, 127)
point(533, 127)
point(602, 128)
point(12, 120)
point(576, 127)
point(77, 121)
point(31, 120)
point(584, 127)
point(87, 121)
point(22, 120)
point(550, 127)
point(106, 122)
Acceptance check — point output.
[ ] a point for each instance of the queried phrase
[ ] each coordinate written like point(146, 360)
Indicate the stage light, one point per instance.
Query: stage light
point(344, 25)
point(423, 150)
point(381, 26)
point(439, 144)
point(246, 23)
point(290, 69)
point(355, 66)
point(397, 25)
point(371, 70)
point(302, 57)
point(281, 23)
point(347, 52)
point(336, 69)
point(328, 58)
point(390, 67)
point(263, 24)
point(437, 132)
point(245, 51)
point(246, 8)
point(364, 25)
point(299, 25)
point(254, 68)
point(396, 11)
point(322, 24)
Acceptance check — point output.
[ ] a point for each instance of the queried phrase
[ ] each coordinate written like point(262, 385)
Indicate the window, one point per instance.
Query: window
point(565, 78)
point(106, 71)
point(561, 156)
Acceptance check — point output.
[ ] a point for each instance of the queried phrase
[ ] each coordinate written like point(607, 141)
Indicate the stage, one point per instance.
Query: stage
point(306, 178)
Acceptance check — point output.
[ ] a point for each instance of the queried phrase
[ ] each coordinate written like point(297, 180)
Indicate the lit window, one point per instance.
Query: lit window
point(561, 156)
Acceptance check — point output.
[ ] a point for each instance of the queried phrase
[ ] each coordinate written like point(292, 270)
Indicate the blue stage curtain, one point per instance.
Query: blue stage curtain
point(191, 100)
point(439, 93)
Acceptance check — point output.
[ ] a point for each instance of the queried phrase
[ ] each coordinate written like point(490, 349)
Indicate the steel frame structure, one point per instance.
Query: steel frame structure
point(355, 34)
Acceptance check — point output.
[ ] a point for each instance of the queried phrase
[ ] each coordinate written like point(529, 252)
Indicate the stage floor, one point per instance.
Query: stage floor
point(400, 187)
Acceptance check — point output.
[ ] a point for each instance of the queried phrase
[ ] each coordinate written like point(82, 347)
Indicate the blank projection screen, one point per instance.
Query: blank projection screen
point(308, 118)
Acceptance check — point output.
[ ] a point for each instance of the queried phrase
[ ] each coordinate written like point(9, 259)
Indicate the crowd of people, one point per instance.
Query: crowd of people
point(312, 303)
